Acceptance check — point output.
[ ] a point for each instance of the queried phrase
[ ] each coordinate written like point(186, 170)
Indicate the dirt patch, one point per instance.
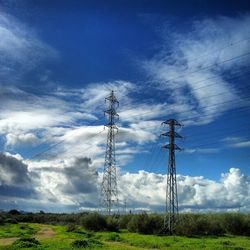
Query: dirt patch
point(7, 241)
point(44, 233)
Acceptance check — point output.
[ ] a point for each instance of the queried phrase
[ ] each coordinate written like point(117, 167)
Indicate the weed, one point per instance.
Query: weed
point(26, 243)
point(113, 237)
point(88, 243)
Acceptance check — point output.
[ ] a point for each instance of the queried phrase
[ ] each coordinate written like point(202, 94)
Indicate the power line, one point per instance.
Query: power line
point(218, 50)
point(199, 115)
point(55, 145)
point(216, 140)
point(152, 151)
point(239, 109)
point(234, 76)
point(215, 135)
point(216, 104)
point(212, 143)
point(155, 157)
point(210, 66)
point(196, 89)
point(221, 49)
point(189, 135)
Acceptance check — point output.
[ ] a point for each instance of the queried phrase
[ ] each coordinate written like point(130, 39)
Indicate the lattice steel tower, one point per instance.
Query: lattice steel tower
point(109, 182)
point(171, 216)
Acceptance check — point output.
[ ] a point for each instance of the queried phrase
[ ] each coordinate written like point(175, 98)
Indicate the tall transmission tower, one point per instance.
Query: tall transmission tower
point(171, 216)
point(109, 182)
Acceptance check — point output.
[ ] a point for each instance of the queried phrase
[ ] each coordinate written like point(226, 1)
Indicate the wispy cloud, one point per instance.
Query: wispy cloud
point(201, 150)
point(20, 48)
point(242, 144)
point(237, 142)
point(193, 67)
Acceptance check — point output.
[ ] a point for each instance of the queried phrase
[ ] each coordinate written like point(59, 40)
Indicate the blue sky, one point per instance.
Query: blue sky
point(184, 60)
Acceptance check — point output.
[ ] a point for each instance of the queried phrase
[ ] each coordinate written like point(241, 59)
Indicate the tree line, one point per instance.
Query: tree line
point(188, 224)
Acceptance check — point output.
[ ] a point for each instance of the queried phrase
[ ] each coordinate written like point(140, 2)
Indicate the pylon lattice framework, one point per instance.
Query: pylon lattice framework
point(172, 209)
point(109, 182)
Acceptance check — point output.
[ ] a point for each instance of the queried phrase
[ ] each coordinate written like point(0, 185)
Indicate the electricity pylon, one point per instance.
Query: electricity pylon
point(109, 182)
point(171, 216)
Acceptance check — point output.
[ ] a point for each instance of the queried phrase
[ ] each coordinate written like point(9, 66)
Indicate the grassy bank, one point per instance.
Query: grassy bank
point(64, 238)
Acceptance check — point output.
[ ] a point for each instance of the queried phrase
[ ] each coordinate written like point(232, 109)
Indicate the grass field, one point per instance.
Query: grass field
point(57, 237)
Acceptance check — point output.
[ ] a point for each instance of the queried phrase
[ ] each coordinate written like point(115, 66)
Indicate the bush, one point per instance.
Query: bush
point(2, 220)
point(113, 237)
point(88, 243)
point(94, 222)
point(200, 224)
point(71, 228)
point(80, 244)
point(145, 224)
point(215, 225)
point(124, 220)
point(237, 224)
point(10, 220)
point(25, 243)
point(112, 224)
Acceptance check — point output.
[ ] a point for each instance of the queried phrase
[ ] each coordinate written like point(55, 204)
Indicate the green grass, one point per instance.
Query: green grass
point(179, 242)
point(122, 240)
point(18, 230)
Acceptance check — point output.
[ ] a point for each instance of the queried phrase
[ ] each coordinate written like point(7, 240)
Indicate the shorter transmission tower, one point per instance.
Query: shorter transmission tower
point(109, 182)
point(171, 216)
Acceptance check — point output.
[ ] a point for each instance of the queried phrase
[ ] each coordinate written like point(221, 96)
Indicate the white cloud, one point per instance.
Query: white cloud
point(142, 112)
point(73, 182)
point(242, 144)
point(29, 114)
point(32, 119)
point(21, 139)
point(237, 142)
point(148, 190)
point(177, 68)
point(94, 95)
point(201, 150)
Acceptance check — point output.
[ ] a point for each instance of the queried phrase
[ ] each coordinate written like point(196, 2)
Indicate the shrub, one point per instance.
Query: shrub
point(124, 220)
point(88, 243)
point(200, 224)
point(80, 244)
point(145, 224)
point(192, 224)
point(2, 220)
point(113, 237)
point(71, 228)
point(94, 222)
point(25, 243)
point(10, 220)
point(112, 224)
point(215, 225)
point(237, 224)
